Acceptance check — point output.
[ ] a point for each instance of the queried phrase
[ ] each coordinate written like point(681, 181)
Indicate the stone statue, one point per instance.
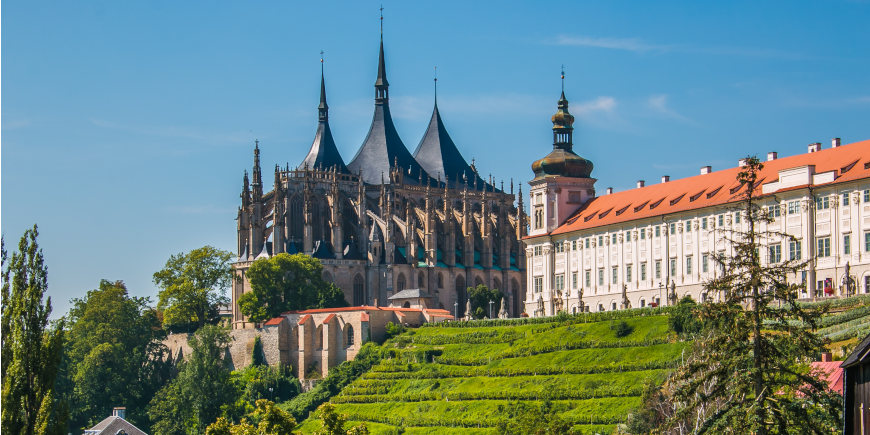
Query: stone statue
point(502, 312)
point(468, 315)
point(672, 295)
point(848, 281)
point(582, 305)
point(626, 304)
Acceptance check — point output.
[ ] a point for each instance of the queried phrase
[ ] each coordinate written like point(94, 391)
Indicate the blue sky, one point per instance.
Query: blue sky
point(126, 125)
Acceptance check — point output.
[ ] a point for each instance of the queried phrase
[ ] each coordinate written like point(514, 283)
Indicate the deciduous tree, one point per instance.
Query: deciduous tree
point(480, 297)
point(114, 355)
point(287, 282)
point(31, 346)
point(193, 286)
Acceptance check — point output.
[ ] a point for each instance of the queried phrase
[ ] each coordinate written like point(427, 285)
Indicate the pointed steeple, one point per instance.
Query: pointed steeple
point(323, 153)
point(382, 86)
point(383, 149)
point(257, 184)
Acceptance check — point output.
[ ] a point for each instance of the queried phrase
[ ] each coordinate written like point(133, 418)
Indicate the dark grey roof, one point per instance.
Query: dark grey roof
point(858, 354)
point(440, 158)
point(382, 148)
point(413, 293)
point(323, 153)
point(112, 425)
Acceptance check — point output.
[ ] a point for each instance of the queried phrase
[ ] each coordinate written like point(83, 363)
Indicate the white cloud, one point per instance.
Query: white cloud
point(628, 44)
point(659, 105)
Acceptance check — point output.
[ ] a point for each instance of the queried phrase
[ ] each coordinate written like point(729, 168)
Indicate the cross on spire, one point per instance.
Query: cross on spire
point(563, 78)
point(436, 85)
point(382, 19)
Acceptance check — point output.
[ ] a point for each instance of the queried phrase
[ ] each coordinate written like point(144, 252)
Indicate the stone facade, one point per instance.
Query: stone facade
point(388, 220)
point(313, 341)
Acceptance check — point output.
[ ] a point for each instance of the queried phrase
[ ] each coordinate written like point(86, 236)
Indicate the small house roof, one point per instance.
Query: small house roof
point(112, 425)
point(412, 293)
point(859, 354)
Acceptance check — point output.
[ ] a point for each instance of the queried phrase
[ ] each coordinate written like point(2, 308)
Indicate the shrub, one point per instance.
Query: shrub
point(393, 329)
point(684, 317)
point(623, 329)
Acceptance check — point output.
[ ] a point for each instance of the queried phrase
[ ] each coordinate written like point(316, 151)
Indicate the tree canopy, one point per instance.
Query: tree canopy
point(194, 399)
point(287, 282)
point(114, 355)
point(749, 370)
point(31, 347)
point(480, 297)
point(192, 287)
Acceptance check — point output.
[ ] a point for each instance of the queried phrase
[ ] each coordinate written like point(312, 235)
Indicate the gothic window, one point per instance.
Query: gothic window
point(420, 281)
point(440, 280)
point(496, 284)
point(478, 281)
point(515, 296)
point(400, 282)
point(296, 217)
point(348, 335)
point(318, 338)
point(358, 291)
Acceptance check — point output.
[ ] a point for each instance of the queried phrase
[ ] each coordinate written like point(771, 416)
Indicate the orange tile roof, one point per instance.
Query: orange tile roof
point(364, 317)
point(328, 318)
point(303, 319)
point(850, 162)
point(275, 321)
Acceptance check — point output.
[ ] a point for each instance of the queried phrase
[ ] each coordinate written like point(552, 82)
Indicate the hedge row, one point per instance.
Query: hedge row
point(843, 326)
point(447, 371)
point(855, 331)
point(556, 394)
point(560, 318)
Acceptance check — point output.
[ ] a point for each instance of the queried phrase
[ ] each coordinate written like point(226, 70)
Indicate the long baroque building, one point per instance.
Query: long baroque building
point(388, 220)
point(655, 243)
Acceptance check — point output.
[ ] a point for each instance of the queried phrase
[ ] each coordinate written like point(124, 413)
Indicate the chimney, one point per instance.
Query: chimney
point(741, 163)
point(640, 183)
point(771, 156)
point(814, 147)
point(826, 357)
point(835, 142)
point(609, 190)
point(706, 170)
point(119, 411)
point(666, 178)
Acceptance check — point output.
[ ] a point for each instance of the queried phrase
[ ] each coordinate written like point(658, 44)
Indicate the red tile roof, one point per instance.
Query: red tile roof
point(275, 321)
point(831, 373)
point(364, 317)
point(850, 162)
point(303, 319)
point(328, 318)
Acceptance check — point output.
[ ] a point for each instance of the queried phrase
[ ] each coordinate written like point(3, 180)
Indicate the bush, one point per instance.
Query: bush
point(623, 329)
point(684, 317)
point(393, 329)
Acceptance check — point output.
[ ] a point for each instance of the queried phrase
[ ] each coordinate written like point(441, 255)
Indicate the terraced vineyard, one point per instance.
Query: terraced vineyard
point(461, 379)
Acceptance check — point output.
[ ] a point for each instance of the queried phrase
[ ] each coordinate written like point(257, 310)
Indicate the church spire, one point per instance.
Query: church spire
point(258, 178)
point(323, 108)
point(382, 86)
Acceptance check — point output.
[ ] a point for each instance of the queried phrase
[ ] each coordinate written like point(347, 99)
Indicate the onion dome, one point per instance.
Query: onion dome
point(562, 161)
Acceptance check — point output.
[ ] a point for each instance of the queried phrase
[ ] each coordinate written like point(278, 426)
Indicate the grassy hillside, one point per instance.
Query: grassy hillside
point(455, 379)
point(461, 378)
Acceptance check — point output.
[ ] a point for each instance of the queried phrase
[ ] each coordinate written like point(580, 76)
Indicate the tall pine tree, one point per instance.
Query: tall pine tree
point(749, 372)
point(31, 347)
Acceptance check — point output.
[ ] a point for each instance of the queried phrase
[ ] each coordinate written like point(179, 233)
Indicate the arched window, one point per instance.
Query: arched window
point(400, 282)
point(516, 296)
point(420, 281)
point(296, 218)
point(600, 307)
point(359, 296)
point(496, 283)
point(613, 306)
point(642, 302)
point(318, 338)
point(406, 305)
point(478, 281)
point(348, 335)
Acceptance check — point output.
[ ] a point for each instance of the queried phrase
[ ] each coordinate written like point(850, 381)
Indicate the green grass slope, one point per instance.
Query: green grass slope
point(461, 379)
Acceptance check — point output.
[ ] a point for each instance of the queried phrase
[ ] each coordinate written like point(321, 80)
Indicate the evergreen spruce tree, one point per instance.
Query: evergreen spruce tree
point(749, 372)
point(31, 346)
